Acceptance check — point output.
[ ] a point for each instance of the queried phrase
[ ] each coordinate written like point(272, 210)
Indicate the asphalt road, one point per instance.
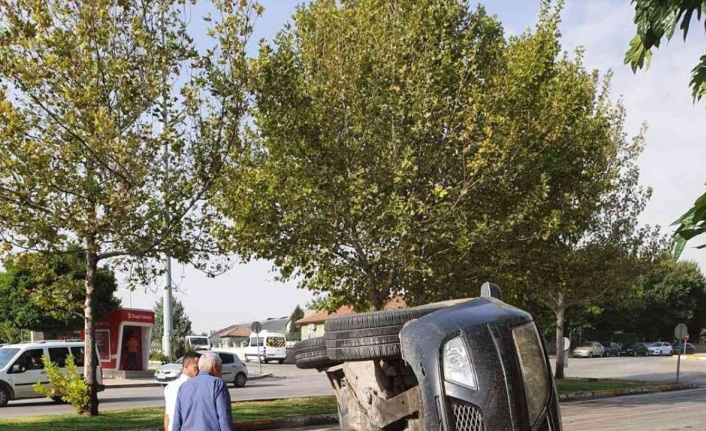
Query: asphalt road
point(669, 411)
point(650, 368)
point(127, 398)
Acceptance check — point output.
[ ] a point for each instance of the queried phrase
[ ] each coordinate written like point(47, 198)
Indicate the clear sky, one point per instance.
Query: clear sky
point(672, 163)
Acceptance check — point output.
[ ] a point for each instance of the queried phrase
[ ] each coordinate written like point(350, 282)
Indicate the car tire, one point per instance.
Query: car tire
point(4, 396)
point(311, 354)
point(590, 354)
point(281, 361)
point(366, 336)
point(240, 380)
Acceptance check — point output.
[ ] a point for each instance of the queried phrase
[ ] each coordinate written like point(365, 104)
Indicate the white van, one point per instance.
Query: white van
point(21, 366)
point(198, 342)
point(270, 346)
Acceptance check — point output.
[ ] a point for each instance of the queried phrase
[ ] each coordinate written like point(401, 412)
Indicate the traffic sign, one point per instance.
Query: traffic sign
point(680, 331)
point(256, 327)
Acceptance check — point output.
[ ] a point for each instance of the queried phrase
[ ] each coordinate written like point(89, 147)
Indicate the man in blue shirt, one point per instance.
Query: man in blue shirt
point(203, 403)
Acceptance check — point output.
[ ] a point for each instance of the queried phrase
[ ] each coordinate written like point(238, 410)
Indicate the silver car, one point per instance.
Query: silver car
point(589, 349)
point(234, 371)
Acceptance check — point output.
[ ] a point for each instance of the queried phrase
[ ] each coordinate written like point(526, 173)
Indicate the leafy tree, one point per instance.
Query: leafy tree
point(40, 296)
point(82, 86)
point(295, 331)
point(656, 21)
point(181, 325)
point(672, 292)
point(8, 332)
point(402, 146)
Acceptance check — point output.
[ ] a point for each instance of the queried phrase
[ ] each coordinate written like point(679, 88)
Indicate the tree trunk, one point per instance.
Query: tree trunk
point(559, 311)
point(90, 328)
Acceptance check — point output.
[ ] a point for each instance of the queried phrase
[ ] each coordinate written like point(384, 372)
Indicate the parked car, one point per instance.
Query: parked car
point(635, 349)
point(611, 348)
point(679, 348)
point(464, 365)
point(660, 348)
point(21, 366)
point(234, 371)
point(589, 349)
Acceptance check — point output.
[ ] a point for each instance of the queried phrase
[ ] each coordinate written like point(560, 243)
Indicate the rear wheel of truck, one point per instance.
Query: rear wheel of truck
point(311, 354)
point(366, 336)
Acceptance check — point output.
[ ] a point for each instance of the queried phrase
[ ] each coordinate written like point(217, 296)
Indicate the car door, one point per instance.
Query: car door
point(228, 366)
point(597, 349)
point(27, 370)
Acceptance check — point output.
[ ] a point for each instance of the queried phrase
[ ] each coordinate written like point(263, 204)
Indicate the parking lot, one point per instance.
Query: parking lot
point(640, 368)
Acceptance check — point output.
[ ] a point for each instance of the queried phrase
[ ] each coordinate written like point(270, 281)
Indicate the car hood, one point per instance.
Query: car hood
point(169, 367)
point(582, 349)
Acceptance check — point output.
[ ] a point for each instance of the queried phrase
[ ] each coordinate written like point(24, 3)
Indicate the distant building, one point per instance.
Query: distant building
point(237, 335)
point(313, 322)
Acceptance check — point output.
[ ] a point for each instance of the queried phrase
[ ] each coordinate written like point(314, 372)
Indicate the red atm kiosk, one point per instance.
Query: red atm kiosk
point(123, 339)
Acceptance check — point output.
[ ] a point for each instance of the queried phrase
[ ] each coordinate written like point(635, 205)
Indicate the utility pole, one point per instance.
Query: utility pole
point(167, 296)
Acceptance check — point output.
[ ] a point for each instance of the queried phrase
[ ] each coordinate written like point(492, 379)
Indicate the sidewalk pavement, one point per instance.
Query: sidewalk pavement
point(147, 383)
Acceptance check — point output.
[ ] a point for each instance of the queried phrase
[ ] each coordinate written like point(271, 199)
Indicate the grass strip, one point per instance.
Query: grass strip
point(151, 418)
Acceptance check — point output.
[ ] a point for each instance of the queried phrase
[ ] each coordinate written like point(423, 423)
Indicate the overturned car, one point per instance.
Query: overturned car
point(464, 365)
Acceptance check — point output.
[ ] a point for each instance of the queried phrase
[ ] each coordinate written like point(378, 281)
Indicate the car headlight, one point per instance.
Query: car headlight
point(457, 363)
point(534, 368)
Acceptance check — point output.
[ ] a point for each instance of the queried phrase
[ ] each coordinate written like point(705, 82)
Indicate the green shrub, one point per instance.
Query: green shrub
point(69, 387)
point(161, 357)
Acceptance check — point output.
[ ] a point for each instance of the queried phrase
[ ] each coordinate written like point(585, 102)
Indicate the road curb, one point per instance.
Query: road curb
point(156, 384)
point(581, 396)
point(270, 424)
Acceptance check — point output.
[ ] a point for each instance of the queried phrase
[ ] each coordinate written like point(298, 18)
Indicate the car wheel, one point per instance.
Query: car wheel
point(4, 396)
point(240, 380)
point(590, 354)
point(281, 361)
point(311, 354)
point(374, 335)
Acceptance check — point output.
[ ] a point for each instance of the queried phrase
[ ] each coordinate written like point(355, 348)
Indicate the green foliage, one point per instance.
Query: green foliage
point(181, 326)
point(403, 146)
point(295, 331)
point(162, 358)
point(41, 294)
point(656, 20)
point(8, 332)
point(69, 386)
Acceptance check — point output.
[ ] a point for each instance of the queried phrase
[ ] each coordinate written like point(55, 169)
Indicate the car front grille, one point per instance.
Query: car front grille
point(466, 416)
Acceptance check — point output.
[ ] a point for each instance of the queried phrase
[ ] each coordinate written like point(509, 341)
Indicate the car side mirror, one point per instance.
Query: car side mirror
point(16, 369)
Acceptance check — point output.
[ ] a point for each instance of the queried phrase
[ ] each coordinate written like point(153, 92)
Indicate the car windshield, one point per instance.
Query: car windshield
point(6, 354)
point(586, 345)
point(179, 361)
point(655, 344)
point(199, 341)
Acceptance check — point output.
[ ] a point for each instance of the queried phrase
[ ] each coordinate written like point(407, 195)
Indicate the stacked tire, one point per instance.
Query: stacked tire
point(358, 337)
point(311, 354)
